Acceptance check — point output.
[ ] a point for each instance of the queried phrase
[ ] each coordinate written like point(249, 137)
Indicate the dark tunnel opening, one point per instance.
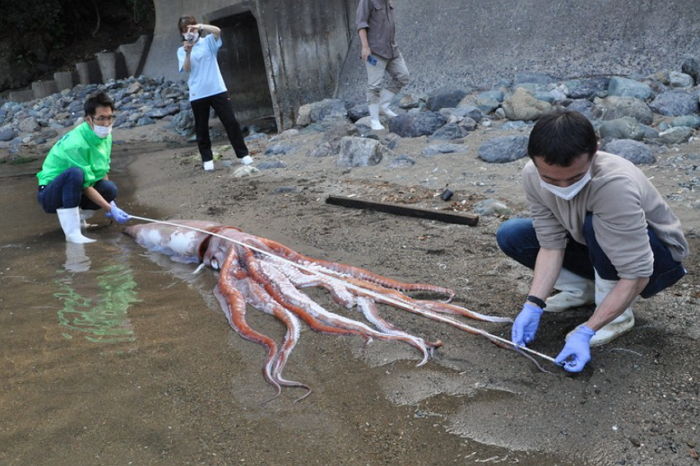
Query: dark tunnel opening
point(243, 68)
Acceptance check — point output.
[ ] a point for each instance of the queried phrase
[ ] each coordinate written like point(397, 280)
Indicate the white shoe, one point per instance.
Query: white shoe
point(70, 223)
point(574, 291)
point(374, 117)
point(247, 160)
point(85, 214)
point(208, 165)
point(384, 102)
point(621, 324)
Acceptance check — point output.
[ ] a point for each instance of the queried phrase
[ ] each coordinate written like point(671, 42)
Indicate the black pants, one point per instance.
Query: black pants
point(221, 103)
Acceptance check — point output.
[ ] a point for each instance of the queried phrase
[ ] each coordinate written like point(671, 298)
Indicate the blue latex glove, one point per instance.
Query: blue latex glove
point(525, 325)
point(117, 214)
point(577, 350)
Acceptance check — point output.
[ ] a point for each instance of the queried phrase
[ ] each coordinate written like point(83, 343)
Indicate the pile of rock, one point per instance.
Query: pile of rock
point(138, 102)
point(631, 115)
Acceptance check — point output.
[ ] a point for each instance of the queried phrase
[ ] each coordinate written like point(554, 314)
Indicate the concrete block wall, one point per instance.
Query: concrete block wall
point(477, 42)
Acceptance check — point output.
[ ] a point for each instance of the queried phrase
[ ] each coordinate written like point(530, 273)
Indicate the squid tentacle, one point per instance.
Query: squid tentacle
point(358, 272)
point(234, 302)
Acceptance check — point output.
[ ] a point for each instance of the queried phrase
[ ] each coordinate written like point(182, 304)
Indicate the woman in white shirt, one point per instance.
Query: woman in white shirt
point(197, 56)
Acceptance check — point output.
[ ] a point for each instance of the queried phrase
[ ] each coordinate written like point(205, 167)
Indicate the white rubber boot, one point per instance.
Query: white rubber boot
point(76, 259)
point(374, 117)
point(85, 214)
point(70, 223)
point(574, 291)
point(384, 101)
point(622, 323)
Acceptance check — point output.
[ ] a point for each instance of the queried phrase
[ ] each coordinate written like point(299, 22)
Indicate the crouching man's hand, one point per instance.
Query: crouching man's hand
point(577, 350)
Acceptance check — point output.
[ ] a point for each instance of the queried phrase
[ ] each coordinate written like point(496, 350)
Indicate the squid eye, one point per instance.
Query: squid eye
point(214, 264)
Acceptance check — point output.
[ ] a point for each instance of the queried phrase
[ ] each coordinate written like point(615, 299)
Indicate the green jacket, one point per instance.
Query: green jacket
point(82, 148)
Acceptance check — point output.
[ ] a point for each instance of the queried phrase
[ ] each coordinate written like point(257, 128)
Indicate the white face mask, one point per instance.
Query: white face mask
point(191, 37)
point(569, 192)
point(102, 131)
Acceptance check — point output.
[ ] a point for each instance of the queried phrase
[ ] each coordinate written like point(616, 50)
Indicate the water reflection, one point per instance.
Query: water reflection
point(96, 310)
point(76, 259)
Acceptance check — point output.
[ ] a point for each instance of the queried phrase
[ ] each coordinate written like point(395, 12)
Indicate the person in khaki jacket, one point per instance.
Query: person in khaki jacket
point(377, 30)
point(600, 233)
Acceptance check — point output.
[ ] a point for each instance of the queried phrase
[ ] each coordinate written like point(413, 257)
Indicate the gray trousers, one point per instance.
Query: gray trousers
point(398, 74)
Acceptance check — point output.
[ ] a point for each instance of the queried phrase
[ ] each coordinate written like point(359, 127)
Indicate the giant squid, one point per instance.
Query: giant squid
point(267, 276)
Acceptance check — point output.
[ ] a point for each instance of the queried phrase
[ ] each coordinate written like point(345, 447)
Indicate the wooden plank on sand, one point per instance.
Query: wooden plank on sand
point(440, 215)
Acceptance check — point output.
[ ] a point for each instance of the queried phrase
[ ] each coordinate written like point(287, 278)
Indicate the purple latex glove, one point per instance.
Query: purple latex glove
point(525, 325)
point(117, 214)
point(577, 350)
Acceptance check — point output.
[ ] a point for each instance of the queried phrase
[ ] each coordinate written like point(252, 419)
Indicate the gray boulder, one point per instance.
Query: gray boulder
point(450, 131)
point(7, 133)
point(587, 88)
point(446, 97)
point(28, 125)
point(359, 152)
point(271, 164)
point(488, 101)
point(612, 108)
point(183, 123)
point(650, 134)
point(624, 87)
point(411, 125)
point(358, 111)
point(634, 151)
point(675, 103)
point(676, 79)
point(402, 161)
point(279, 149)
point(621, 128)
point(468, 111)
point(436, 149)
point(320, 111)
point(675, 135)
point(521, 105)
point(409, 101)
point(583, 106)
point(503, 149)
point(691, 121)
point(691, 67)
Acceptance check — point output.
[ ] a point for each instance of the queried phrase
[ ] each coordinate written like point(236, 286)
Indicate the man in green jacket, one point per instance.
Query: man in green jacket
point(74, 173)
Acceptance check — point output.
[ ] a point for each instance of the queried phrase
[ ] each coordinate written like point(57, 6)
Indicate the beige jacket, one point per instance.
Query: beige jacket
point(623, 203)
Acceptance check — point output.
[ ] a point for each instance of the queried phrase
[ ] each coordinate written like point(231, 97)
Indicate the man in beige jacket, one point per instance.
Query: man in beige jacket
point(380, 54)
point(600, 233)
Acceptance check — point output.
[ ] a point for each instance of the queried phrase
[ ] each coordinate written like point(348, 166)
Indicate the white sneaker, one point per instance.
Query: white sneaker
point(247, 160)
point(208, 165)
point(384, 102)
point(374, 117)
point(621, 324)
point(574, 291)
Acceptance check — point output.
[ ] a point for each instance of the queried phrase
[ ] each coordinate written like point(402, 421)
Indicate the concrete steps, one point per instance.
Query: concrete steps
point(126, 61)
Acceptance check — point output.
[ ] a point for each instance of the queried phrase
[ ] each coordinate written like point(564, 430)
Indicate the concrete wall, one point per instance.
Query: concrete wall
point(477, 42)
point(310, 47)
point(303, 44)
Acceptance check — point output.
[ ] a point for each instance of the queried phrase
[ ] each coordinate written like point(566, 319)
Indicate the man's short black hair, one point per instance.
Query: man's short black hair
point(97, 100)
point(562, 136)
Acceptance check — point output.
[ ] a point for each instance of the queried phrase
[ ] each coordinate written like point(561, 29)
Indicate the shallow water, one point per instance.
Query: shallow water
point(114, 355)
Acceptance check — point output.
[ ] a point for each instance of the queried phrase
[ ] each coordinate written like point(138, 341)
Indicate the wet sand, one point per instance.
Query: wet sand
point(163, 380)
